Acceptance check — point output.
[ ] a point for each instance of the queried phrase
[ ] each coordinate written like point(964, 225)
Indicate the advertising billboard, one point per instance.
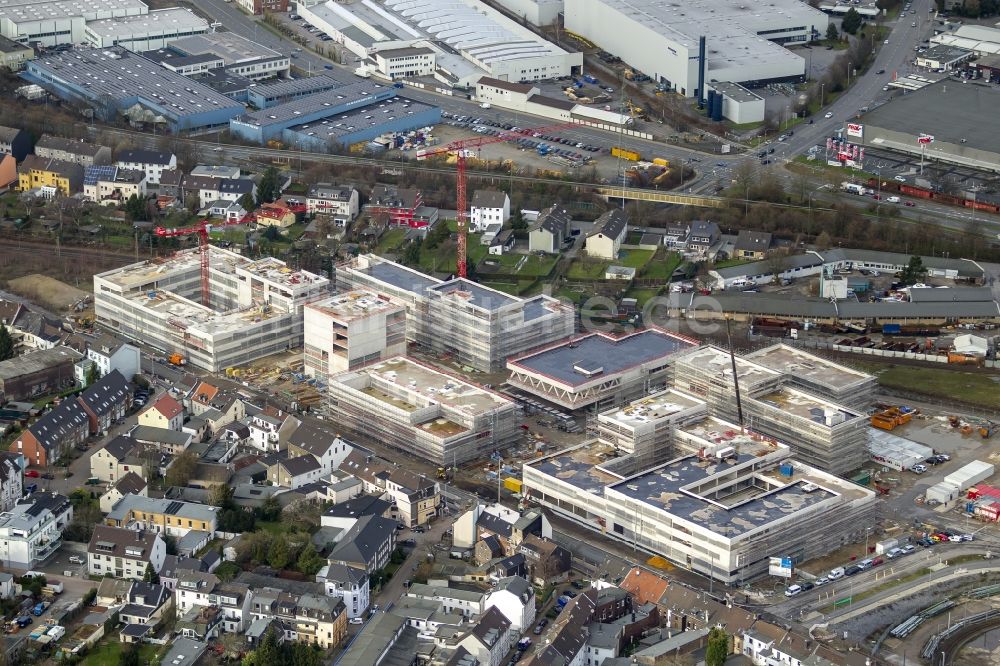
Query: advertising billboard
point(780, 566)
point(854, 129)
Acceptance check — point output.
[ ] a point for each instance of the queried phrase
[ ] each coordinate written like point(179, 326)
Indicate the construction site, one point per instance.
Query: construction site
point(208, 307)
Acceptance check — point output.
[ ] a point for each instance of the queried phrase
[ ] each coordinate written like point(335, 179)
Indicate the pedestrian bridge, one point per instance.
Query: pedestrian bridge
point(637, 194)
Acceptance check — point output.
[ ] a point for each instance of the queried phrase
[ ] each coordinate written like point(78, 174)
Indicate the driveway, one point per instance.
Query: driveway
point(393, 590)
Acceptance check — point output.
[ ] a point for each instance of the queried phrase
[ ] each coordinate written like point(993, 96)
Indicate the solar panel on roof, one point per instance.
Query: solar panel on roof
point(92, 174)
point(173, 508)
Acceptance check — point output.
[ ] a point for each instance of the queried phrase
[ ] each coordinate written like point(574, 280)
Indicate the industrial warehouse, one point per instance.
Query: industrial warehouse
point(467, 40)
point(63, 21)
point(478, 326)
point(256, 307)
point(741, 41)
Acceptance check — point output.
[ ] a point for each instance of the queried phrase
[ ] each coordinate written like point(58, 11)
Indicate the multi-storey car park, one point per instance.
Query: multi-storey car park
point(820, 432)
point(722, 505)
point(599, 370)
point(424, 412)
point(845, 386)
point(476, 325)
point(661, 39)
point(350, 330)
point(708, 373)
point(256, 306)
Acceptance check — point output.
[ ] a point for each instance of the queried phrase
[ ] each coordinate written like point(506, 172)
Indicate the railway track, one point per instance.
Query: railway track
point(15, 244)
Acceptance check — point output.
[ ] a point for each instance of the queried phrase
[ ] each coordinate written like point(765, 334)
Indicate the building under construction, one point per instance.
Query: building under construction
point(817, 375)
point(256, 306)
point(644, 428)
point(822, 433)
point(707, 372)
point(723, 504)
point(424, 412)
point(477, 326)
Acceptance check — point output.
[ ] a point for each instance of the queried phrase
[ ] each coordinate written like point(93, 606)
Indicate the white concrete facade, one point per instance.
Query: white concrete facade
point(350, 330)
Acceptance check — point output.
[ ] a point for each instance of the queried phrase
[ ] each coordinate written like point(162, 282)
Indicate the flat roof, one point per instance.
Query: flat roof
point(579, 466)
point(155, 22)
point(286, 87)
point(583, 359)
point(342, 124)
point(803, 405)
point(727, 512)
point(806, 366)
point(22, 11)
point(944, 52)
point(416, 384)
point(948, 111)
point(352, 304)
point(229, 46)
point(736, 92)
point(399, 276)
point(121, 74)
point(474, 294)
point(653, 408)
point(717, 362)
point(714, 432)
point(335, 101)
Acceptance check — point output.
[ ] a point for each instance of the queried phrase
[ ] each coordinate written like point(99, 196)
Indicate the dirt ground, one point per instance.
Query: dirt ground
point(48, 292)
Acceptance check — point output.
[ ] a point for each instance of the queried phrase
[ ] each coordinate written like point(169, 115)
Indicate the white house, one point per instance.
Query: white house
point(490, 639)
point(466, 602)
point(165, 412)
point(153, 162)
point(109, 353)
point(124, 553)
point(11, 482)
point(270, 429)
point(295, 472)
point(324, 445)
point(338, 201)
point(347, 583)
point(32, 530)
point(488, 206)
point(608, 235)
point(515, 598)
point(198, 589)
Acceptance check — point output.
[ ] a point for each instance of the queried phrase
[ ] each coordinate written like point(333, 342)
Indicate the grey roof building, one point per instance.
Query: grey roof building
point(368, 544)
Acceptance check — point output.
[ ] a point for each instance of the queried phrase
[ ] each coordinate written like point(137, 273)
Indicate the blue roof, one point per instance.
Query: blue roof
point(602, 355)
point(476, 294)
point(92, 174)
point(402, 278)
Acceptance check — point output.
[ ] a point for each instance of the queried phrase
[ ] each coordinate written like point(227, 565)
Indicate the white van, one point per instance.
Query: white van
point(892, 199)
point(793, 590)
point(836, 573)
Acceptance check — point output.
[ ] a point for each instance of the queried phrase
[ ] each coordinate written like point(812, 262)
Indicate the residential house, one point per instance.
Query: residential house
point(308, 618)
point(146, 604)
point(515, 598)
point(367, 545)
point(765, 644)
point(171, 184)
point(11, 481)
point(488, 548)
point(549, 230)
point(152, 162)
point(50, 176)
point(129, 484)
point(565, 640)
point(8, 171)
point(609, 233)
point(295, 472)
point(274, 215)
point(201, 623)
point(109, 353)
point(397, 205)
point(72, 150)
point(349, 584)
point(203, 189)
point(39, 331)
point(343, 486)
point(506, 567)
point(112, 592)
point(174, 566)
point(106, 401)
point(502, 242)
point(197, 590)
point(124, 553)
point(415, 497)
point(452, 599)
point(271, 428)
point(230, 211)
point(751, 245)
point(15, 141)
point(338, 201)
point(510, 526)
point(8, 588)
point(54, 434)
point(488, 207)
point(172, 517)
point(547, 561)
point(31, 531)
point(37, 372)
point(344, 515)
point(164, 440)
point(165, 412)
point(702, 237)
point(233, 189)
point(676, 236)
point(489, 639)
point(324, 445)
point(113, 186)
point(185, 652)
point(120, 456)
point(257, 7)
point(205, 397)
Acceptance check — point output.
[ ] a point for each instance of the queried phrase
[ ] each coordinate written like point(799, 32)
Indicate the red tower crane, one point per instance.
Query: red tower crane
point(459, 147)
point(202, 229)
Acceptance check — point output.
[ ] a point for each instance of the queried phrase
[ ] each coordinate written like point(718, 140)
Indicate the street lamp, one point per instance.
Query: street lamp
point(822, 87)
point(849, 66)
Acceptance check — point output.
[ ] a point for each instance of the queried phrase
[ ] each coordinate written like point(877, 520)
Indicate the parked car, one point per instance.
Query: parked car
point(853, 569)
point(32, 474)
point(823, 580)
point(918, 469)
point(77, 559)
point(837, 573)
point(908, 548)
point(356, 620)
point(793, 590)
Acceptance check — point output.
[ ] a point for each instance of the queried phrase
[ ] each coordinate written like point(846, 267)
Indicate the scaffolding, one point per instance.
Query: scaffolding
point(707, 373)
point(817, 375)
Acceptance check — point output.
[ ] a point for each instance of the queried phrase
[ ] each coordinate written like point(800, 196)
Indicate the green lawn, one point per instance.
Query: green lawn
point(295, 231)
point(390, 241)
point(587, 270)
point(272, 527)
point(110, 652)
point(533, 265)
point(641, 295)
point(634, 258)
point(519, 289)
point(970, 387)
point(434, 260)
point(569, 295)
point(662, 268)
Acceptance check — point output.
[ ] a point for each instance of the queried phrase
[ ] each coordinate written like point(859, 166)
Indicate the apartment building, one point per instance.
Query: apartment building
point(270, 429)
point(113, 186)
point(415, 497)
point(151, 162)
point(338, 201)
point(200, 590)
point(609, 233)
point(350, 330)
point(349, 584)
point(49, 176)
point(308, 618)
point(11, 481)
point(163, 516)
point(488, 207)
point(324, 445)
point(124, 553)
point(109, 353)
point(76, 151)
point(31, 531)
